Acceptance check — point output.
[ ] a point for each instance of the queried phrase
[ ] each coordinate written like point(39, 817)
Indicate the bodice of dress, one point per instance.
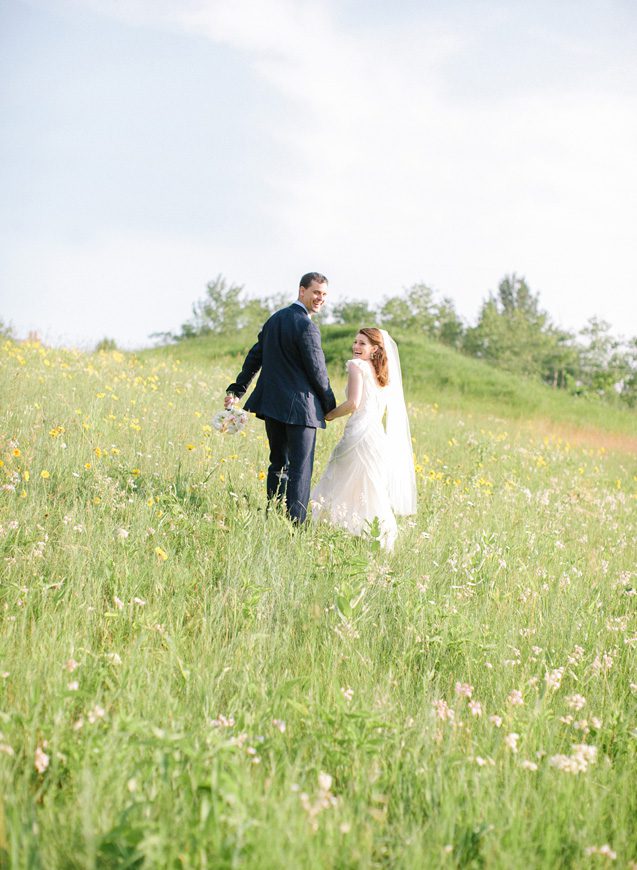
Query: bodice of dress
point(373, 401)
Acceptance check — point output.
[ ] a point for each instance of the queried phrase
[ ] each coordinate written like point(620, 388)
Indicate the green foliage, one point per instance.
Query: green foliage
point(6, 330)
point(356, 312)
point(224, 309)
point(514, 333)
point(106, 345)
point(601, 363)
point(418, 311)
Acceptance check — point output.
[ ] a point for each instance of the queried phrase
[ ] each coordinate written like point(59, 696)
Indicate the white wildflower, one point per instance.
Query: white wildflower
point(41, 760)
point(553, 679)
point(511, 741)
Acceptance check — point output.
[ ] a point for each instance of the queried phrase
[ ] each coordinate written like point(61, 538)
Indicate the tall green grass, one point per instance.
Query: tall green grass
point(189, 681)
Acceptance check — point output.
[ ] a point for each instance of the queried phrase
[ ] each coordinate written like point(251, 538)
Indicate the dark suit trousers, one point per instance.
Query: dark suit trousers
point(291, 461)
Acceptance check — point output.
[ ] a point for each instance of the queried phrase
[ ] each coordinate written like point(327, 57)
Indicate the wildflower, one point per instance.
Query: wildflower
point(553, 679)
point(347, 693)
point(73, 686)
point(162, 555)
point(16, 452)
point(496, 720)
point(41, 760)
point(45, 474)
point(602, 665)
point(528, 765)
point(222, 722)
point(464, 690)
point(122, 534)
point(582, 756)
point(71, 665)
point(576, 656)
point(515, 698)
point(139, 602)
point(576, 702)
point(443, 711)
point(325, 781)
point(511, 741)
point(605, 851)
point(476, 708)
point(279, 724)
point(118, 602)
point(96, 714)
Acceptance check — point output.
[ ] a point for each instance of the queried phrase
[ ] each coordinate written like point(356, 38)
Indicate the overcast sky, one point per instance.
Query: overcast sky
point(148, 145)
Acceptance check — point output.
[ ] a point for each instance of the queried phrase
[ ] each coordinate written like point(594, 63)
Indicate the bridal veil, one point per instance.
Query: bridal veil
point(402, 477)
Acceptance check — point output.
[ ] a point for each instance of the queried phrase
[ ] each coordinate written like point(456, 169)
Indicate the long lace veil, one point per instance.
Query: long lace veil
point(402, 477)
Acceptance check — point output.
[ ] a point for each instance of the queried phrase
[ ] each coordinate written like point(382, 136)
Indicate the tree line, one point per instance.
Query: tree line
point(512, 332)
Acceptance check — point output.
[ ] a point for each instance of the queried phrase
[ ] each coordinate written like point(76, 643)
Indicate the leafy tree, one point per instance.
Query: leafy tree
point(354, 311)
point(6, 330)
point(515, 333)
point(224, 309)
point(414, 310)
point(603, 365)
point(417, 310)
point(628, 387)
point(449, 328)
point(105, 344)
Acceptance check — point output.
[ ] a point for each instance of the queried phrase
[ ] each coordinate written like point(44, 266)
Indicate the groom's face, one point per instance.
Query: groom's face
point(313, 297)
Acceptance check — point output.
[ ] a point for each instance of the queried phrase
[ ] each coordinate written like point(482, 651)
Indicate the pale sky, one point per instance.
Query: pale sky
point(148, 145)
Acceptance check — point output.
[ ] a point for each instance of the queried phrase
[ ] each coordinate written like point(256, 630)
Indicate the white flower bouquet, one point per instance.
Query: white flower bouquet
point(230, 421)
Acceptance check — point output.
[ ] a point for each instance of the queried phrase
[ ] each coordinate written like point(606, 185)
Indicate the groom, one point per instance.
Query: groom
point(292, 395)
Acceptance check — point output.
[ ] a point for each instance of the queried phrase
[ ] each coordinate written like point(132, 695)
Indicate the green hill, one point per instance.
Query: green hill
point(437, 374)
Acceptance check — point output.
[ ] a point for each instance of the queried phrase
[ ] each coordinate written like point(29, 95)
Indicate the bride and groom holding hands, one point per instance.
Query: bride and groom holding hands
point(370, 475)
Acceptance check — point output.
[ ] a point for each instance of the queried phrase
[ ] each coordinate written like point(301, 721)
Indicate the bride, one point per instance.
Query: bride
point(370, 474)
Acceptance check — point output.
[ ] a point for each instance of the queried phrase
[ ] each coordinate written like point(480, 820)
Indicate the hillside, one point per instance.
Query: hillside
point(438, 374)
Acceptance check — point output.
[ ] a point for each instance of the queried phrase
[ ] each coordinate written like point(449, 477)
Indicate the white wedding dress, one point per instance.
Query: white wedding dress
point(355, 487)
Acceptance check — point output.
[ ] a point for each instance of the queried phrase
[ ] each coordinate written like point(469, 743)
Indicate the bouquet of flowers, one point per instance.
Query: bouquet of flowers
point(230, 421)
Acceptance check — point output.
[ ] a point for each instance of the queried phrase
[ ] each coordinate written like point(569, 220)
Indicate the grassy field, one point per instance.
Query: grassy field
point(188, 681)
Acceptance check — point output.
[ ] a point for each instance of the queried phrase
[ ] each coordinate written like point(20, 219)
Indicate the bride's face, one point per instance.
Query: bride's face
point(362, 347)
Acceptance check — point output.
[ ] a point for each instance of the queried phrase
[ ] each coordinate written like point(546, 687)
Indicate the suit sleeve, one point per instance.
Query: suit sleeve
point(251, 366)
point(313, 360)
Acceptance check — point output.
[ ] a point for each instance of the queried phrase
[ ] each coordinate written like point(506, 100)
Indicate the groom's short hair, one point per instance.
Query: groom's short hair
point(306, 280)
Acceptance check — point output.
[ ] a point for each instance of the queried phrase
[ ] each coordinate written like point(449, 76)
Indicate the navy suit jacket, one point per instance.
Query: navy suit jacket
point(293, 386)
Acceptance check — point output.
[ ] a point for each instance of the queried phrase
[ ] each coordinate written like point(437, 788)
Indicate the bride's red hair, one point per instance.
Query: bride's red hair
point(379, 356)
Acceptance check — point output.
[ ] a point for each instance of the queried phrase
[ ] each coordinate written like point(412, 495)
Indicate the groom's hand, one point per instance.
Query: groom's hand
point(229, 401)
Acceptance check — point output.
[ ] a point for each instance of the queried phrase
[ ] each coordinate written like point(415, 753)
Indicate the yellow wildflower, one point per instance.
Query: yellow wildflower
point(45, 474)
point(162, 555)
point(17, 452)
